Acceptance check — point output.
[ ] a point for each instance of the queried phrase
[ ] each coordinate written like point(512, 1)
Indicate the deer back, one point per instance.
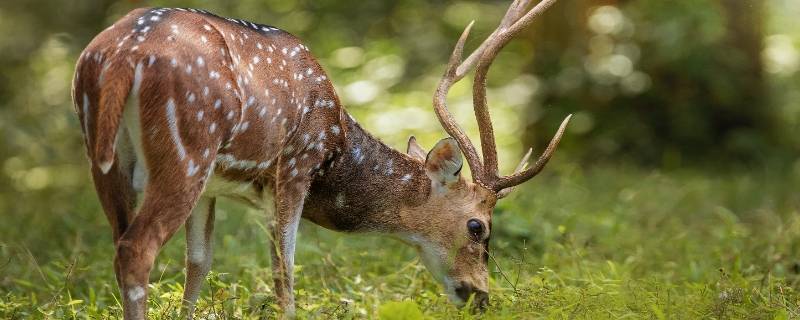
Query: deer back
point(245, 94)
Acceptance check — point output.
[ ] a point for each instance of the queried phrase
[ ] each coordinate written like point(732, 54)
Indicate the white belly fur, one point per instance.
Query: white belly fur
point(245, 192)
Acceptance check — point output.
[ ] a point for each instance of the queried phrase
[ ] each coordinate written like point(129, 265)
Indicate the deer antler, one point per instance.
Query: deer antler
point(485, 173)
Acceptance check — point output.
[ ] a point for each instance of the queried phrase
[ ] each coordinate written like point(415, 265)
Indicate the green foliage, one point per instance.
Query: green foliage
point(584, 243)
point(400, 310)
point(670, 83)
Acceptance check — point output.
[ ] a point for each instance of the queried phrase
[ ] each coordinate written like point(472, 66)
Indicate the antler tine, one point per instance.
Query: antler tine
point(494, 45)
point(515, 10)
point(531, 15)
point(520, 177)
point(521, 166)
point(446, 118)
point(524, 161)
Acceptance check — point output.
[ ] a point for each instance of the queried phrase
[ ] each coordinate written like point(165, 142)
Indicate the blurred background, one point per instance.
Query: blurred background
point(712, 87)
point(660, 84)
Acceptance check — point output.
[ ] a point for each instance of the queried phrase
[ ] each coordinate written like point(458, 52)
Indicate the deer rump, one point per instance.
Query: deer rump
point(190, 104)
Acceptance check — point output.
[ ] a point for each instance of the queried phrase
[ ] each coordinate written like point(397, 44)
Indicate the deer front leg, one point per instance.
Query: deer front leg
point(199, 251)
point(290, 196)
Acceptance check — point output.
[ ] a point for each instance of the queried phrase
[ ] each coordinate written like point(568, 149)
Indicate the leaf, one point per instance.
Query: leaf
point(400, 310)
point(781, 315)
point(73, 302)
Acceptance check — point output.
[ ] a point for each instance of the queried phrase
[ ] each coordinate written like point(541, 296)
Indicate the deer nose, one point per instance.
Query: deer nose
point(481, 299)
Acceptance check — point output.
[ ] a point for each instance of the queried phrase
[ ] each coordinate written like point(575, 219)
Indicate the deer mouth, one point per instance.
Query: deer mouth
point(480, 298)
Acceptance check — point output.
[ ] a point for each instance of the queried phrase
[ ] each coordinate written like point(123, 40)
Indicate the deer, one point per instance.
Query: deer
point(179, 107)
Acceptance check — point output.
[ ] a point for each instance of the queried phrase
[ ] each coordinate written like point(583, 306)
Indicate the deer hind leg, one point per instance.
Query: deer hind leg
point(161, 214)
point(168, 202)
point(199, 248)
point(117, 198)
point(178, 163)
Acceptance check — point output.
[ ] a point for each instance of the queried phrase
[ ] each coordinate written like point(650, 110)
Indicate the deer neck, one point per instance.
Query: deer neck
point(366, 185)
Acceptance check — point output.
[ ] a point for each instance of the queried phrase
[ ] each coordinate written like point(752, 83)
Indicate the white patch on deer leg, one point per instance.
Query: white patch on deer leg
point(290, 240)
point(136, 293)
point(195, 234)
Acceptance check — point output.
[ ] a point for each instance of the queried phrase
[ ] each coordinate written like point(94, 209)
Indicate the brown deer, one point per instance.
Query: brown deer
point(183, 106)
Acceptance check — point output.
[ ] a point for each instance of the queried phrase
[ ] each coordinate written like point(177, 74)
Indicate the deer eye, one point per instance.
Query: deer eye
point(475, 228)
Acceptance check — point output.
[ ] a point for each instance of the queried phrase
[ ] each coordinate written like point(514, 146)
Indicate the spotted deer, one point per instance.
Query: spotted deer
point(180, 107)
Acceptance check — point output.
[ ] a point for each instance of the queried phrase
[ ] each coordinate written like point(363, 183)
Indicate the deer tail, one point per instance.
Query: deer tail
point(115, 83)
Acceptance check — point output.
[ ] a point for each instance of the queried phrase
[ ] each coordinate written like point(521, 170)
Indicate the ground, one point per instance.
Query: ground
point(610, 241)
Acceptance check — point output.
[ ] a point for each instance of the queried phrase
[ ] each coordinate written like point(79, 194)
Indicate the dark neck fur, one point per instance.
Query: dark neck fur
point(366, 185)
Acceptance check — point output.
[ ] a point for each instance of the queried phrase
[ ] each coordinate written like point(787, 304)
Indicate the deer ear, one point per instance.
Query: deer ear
point(443, 164)
point(414, 150)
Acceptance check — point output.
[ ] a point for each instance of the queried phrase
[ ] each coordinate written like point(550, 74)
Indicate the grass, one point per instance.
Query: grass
point(604, 242)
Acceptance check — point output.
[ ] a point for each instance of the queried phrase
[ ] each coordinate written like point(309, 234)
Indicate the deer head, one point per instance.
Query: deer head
point(452, 227)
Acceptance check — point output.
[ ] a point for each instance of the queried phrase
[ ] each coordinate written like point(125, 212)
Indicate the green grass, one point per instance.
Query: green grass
point(608, 242)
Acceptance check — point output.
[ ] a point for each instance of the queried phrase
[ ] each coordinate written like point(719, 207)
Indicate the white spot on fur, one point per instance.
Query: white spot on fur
point(389, 168)
point(136, 294)
point(172, 122)
point(228, 161)
point(357, 154)
point(106, 166)
point(192, 169)
point(340, 200)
